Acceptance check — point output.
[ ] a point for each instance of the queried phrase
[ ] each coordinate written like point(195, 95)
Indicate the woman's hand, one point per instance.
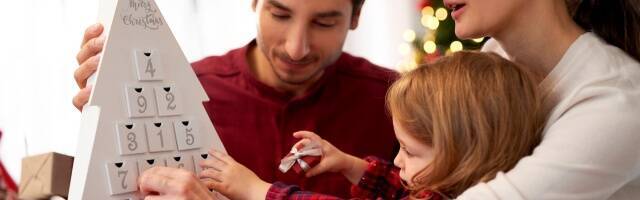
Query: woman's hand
point(235, 181)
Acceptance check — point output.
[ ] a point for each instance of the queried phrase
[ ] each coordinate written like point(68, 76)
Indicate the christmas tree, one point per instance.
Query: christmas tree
point(438, 36)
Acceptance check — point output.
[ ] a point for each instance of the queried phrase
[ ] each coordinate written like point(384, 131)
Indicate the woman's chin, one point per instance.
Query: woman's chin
point(463, 34)
point(467, 33)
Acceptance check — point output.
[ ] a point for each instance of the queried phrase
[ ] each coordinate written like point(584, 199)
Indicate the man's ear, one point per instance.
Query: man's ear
point(355, 17)
point(253, 5)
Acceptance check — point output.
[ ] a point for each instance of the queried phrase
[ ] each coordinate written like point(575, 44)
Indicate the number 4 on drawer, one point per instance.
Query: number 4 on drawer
point(148, 65)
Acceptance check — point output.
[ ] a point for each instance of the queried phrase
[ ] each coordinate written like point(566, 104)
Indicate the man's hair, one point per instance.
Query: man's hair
point(357, 5)
point(479, 112)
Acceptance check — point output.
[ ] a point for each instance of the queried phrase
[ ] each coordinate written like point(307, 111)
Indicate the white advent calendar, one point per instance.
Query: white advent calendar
point(145, 109)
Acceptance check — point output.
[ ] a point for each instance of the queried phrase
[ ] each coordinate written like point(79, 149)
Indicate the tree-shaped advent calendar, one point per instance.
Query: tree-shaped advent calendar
point(145, 109)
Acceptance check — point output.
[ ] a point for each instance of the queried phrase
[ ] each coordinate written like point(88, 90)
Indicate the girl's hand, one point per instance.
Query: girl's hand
point(235, 181)
point(333, 160)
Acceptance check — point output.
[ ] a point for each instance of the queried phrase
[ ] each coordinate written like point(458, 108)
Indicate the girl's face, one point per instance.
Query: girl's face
point(413, 156)
point(479, 18)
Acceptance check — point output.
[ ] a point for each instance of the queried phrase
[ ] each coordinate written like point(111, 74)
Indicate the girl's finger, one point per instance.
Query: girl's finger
point(302, 143)
point(221, 156)
point(211, 175)
point(307, 134)
point(318, 169)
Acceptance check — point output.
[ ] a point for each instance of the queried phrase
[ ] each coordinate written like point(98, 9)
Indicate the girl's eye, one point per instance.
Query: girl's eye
point(405, 151)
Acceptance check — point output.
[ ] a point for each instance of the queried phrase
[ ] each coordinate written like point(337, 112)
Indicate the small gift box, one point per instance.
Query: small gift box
point(301, 158)
point(45, 175)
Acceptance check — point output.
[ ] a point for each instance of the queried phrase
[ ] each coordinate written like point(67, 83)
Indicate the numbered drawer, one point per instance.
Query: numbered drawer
point(187, 134)
point(140, 101)
point(168, 99)
point(148, 65)
point(197, 158)
point(183, 162)
point(144, 165)
point(131, 138)
point(122, 177)
point(160, 136)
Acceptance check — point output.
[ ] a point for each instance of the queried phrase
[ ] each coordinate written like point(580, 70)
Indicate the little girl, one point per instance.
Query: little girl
point(460, 121)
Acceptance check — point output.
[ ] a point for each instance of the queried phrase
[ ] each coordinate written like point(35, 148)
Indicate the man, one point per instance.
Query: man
point(293, 77)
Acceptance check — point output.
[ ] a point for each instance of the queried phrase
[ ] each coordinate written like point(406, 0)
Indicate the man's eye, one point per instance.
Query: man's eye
point(325, 24)
point(279, 16)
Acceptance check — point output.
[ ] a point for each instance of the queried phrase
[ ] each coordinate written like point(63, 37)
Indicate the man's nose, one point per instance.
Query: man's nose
point(297, 45)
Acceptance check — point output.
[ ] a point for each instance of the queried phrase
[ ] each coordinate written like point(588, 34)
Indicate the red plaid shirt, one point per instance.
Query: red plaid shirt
point(380, 181)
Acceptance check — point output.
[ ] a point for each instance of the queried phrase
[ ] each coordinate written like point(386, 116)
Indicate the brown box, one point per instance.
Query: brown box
point(45, 175)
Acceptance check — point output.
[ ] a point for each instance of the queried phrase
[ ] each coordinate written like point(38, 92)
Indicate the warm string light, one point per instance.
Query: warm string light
point(456, 46)
point(407, 65)
point(429, 47)
point(441, 14)
point(409, 35)
point(428, 11)
point(430, 22)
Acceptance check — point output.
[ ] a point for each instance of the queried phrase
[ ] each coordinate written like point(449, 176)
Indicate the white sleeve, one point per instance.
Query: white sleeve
point(590, 152)
point(493, 46)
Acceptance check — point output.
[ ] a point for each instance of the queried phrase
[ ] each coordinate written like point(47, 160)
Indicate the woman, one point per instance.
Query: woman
point(590, 144)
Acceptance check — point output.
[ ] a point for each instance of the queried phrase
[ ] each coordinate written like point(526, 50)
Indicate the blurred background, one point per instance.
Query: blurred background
point(39, 40)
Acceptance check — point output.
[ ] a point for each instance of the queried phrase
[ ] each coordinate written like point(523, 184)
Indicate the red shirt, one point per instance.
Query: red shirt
point(255, 122)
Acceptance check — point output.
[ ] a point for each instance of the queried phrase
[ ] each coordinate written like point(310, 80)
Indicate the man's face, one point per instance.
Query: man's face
point(300, 38)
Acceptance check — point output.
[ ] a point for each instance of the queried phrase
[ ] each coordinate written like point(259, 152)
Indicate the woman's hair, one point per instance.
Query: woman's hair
point(481, 114)
point(615, 21)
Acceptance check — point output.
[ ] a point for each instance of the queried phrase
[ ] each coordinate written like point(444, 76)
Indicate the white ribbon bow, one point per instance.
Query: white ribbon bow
point(311, 149)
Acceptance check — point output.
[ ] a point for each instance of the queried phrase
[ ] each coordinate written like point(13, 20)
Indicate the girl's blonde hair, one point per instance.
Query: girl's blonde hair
point(480, 112)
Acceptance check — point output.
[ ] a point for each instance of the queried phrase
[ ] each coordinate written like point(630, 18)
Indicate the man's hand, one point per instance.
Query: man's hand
point(333, 160)
point(231, 178)
point(171, 183)
point(88, 59)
